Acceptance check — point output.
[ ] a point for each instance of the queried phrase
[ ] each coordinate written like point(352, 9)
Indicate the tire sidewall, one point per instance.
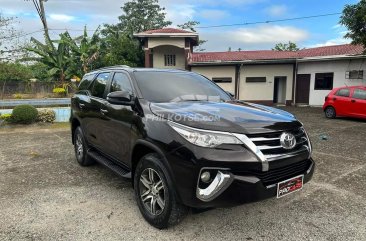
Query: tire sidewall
point(152, 161)
point(81, 160)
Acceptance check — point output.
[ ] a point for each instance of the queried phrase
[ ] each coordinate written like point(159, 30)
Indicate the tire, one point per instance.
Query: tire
point(153, 184)
point(330, 112)
point(81, 148)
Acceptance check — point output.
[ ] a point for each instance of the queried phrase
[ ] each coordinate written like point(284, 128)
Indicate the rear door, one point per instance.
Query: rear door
point(92, 110)
point(342, 102)
point(117, 121)
point(359, 102)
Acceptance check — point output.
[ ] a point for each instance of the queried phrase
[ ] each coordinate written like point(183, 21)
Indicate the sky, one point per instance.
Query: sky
point(75, 14)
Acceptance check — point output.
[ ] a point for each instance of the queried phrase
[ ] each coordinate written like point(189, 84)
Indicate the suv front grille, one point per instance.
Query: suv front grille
point(269, 143)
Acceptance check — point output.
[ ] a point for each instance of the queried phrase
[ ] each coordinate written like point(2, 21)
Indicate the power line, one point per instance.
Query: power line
point(202, 27)
point(270, 21)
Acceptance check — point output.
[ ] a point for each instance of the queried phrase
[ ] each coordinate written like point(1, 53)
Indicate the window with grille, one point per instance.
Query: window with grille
point(354, 74)
point(169, 59)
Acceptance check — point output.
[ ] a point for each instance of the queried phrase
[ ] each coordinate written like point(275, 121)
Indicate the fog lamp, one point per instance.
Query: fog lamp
point(205, 177)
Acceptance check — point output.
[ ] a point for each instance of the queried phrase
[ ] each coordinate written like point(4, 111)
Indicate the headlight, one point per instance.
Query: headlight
point(204, 138)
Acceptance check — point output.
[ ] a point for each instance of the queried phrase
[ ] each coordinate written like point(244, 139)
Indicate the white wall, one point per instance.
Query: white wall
point(159, 59)
point(154, 42)
point(338, 67)
point(264, 91)
point(218, 71)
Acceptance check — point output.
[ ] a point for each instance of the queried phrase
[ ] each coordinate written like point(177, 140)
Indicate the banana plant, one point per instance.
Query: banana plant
point(54, 54)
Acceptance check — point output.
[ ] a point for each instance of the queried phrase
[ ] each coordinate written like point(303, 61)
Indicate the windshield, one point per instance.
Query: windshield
point(159, 86)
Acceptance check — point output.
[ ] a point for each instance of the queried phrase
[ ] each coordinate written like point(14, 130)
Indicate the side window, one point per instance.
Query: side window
point(86, 81)
point(343, 92)
point(121, 82)
point(99, 85)
point(359, 94)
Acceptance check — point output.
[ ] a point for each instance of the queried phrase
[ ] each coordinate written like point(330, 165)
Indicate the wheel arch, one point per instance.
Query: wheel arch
point(142, 148)
point(74, 124)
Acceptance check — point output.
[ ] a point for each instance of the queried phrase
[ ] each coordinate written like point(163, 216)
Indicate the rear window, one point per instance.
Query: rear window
point(343, 92)
point(86, 81)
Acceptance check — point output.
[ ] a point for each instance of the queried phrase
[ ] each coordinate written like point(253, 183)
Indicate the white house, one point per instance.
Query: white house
point(263, 76)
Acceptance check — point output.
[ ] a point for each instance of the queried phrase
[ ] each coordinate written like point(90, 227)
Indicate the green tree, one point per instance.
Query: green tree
point(290, 46)
point(191, 26)
point(14, 72)
point(84, 51)
point(57, 58)
point(354, 19)
point(142, 15)
point(119, 46)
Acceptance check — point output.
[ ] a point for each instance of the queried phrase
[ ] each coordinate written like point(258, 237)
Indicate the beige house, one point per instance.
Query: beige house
point(263, 76)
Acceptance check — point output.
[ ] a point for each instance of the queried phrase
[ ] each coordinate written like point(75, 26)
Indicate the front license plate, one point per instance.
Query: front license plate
point(289, 186)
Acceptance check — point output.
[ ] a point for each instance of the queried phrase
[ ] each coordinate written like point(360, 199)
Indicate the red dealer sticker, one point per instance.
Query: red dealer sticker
point(290, 186)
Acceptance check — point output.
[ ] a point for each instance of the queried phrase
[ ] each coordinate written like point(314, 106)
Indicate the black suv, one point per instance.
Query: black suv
point(185, 142)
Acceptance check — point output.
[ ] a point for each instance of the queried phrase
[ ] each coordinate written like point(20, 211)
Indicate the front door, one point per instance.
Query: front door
point(117, 121)
point(358, 103)
point(302, 88)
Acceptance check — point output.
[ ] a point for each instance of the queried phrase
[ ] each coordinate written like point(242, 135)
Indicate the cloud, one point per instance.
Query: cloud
point(276, 10)
point(61, 17)
point(261, 37)
point(331, 42)
point(181, 13)
point(213, 14)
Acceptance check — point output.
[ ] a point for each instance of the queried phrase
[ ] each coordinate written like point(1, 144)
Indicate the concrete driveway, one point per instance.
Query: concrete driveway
point(46, 195)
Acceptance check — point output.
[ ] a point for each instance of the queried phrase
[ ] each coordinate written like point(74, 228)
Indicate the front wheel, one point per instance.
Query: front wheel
point(330, 112)
point(155, 195)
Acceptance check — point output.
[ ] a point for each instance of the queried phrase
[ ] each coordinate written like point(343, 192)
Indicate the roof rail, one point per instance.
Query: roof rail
point(112, 67)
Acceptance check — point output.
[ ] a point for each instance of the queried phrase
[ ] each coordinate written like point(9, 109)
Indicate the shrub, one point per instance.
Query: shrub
point(24, 114)
point(59, 91)
point(14, 72)
point(6, 117)
point(18, 96)
point(46, 115)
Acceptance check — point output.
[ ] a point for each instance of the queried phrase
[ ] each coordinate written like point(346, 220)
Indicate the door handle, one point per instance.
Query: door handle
point(81, 105)
point(353, 101)
point(334, 98)
point(103, 111)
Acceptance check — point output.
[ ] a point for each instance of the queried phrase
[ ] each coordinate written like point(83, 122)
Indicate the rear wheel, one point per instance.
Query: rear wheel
point(155, 195)
point(330, 112)
point(81, 148)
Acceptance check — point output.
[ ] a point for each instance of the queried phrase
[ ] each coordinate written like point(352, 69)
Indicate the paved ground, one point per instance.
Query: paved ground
point(45, 195)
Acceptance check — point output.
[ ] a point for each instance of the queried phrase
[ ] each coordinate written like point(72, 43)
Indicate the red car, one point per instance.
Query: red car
point(347, 101)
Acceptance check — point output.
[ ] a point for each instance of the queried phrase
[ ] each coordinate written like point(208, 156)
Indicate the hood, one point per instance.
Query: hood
point(233, 116)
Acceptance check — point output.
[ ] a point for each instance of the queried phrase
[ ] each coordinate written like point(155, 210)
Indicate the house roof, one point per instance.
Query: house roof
point(264, 55)
point(166, 30)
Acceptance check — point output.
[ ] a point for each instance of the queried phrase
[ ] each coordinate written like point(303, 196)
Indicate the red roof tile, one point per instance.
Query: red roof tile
point(346, 49)
point(165, 30)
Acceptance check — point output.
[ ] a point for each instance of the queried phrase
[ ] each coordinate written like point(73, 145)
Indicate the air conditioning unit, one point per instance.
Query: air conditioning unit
point(354, 74)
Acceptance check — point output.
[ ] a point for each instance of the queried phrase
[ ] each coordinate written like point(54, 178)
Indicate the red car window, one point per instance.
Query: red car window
point(343, 92)
point(359, 94)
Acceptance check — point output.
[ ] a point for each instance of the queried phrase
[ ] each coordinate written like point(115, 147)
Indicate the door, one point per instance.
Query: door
point(279, 91)
point(341, 101)
point(92, 112)
point(302, 88)
point(117, 121)
point(358, 102)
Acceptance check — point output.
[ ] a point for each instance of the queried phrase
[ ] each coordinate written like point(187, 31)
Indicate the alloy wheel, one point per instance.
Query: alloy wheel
point(79, 146)
point(329, 112)
point(152, 191)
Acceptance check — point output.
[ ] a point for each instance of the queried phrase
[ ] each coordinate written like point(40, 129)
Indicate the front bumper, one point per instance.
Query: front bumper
point(247, 188)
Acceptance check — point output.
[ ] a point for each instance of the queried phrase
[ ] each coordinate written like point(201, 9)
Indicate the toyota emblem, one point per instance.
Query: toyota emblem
point(288, 140)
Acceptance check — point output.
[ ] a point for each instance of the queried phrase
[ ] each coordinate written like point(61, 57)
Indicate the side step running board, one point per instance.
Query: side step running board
point(110, 164)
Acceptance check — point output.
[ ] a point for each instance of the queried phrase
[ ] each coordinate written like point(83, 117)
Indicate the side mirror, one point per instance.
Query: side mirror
point(120, 98)
point(231, 94)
